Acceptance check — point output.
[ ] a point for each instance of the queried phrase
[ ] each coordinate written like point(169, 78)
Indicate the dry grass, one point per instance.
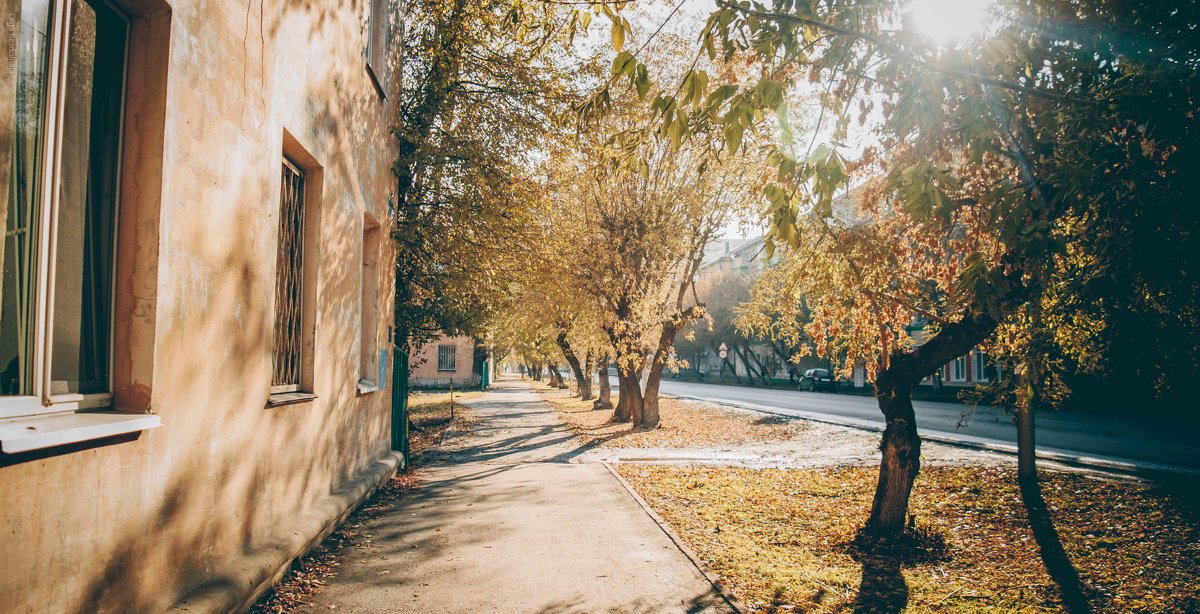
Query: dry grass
point(683, 424)
point(429, 414)
point(783, 539)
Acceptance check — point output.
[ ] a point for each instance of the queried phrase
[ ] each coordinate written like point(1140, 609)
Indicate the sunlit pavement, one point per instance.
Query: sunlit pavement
point(504, 521)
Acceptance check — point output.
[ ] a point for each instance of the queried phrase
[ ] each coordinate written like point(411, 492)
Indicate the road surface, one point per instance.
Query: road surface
point(1122, 443)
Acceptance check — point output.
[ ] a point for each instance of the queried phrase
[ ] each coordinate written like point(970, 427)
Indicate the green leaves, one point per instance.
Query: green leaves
point(624, 63)
point(921, 188)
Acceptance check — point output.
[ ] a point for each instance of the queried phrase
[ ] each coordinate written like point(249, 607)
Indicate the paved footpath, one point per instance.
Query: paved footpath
point(504, 522)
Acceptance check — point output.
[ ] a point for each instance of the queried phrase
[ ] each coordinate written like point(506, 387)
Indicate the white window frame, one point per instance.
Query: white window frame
point(42, 401)
point(958, 369)
point(978, 365)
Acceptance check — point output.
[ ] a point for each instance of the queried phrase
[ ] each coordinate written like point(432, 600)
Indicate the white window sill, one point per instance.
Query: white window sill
point(366, 387)
point(289, 398)
point(48, 431)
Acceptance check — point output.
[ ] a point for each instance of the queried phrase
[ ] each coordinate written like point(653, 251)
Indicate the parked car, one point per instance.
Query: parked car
point(818, 379)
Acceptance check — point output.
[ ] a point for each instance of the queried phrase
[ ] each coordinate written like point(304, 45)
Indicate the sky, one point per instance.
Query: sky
point(943, 22)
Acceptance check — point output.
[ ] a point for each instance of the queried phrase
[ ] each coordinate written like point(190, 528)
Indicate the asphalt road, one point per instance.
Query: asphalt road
point(1142, 444)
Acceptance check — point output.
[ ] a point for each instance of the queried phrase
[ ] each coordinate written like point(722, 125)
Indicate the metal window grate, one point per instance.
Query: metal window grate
point(446, 358)
point(289, 278)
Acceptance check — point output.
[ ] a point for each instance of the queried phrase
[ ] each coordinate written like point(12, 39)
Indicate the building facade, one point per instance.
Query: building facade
point(194, 326)
point(450, 360)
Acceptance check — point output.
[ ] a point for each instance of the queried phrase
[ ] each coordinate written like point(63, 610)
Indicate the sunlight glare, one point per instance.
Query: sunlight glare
point(947, 21)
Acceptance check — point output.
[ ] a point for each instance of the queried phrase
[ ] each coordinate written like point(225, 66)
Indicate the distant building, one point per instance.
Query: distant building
point(445, 360)
point(744, 256)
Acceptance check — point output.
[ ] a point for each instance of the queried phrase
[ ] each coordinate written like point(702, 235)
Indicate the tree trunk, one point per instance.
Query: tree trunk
point(901, 445)
point(901, 457)
point(1026, 451)
point(763, 376)
point(752, 371)
point(725, 363)
point(585, 382)
point(552, 374)
point(605, 400)
point(650, 416)
point(666, 340)
point(630, 403)
point(589, 367)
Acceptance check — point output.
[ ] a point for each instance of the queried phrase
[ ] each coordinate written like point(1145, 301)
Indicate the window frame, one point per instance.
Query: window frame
point(302, 209)
point(452, 354)
point(42, 401)
point(958, 369)
point(979, 360)
point(376, 58)
point(368, 296)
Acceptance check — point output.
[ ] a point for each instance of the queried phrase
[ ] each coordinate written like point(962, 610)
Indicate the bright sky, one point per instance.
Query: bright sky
point(945, 23)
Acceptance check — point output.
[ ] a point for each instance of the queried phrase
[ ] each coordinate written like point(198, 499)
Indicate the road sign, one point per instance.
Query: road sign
point(724, 350)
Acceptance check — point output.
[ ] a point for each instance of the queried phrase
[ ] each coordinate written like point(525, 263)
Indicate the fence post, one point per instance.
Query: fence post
point(400, 403)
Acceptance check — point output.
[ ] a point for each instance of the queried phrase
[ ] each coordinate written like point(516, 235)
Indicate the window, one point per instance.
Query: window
point(979, 366)
point(369, 298)
point(446, 358)
point(379, 38)
point(289, 281)
point(958, 369)
point(60, 148)
point(297, 265)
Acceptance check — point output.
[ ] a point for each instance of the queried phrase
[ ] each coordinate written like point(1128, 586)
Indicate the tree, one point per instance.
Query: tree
point(481, 87)
point(649, 228)
point(1003, 164)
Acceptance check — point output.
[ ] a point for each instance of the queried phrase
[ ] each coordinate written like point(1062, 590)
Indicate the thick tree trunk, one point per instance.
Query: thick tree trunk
point(585, 382)
point(650, 415)
point(901, 445)
point(630, 404)
point(605, 400)
point(666, 340)
point(901, 457)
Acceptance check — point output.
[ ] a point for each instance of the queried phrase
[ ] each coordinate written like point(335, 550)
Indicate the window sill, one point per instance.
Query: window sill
point(40, 432)
point(366, 387)
point(289, 398)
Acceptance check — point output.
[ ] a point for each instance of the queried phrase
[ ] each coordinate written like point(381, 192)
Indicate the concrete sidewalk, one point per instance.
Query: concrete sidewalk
point(505, 522)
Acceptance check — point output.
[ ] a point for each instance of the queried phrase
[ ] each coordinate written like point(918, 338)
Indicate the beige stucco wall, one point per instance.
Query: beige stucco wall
point(423, 364)
point(131, 525)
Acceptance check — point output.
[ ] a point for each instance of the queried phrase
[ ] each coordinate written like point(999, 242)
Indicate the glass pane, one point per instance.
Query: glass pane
point(22, 97)
point(87, 199)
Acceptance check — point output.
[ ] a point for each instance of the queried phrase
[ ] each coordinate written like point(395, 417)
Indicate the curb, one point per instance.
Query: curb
point(708, 574)
point(237, 586)
point(1109, 465)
